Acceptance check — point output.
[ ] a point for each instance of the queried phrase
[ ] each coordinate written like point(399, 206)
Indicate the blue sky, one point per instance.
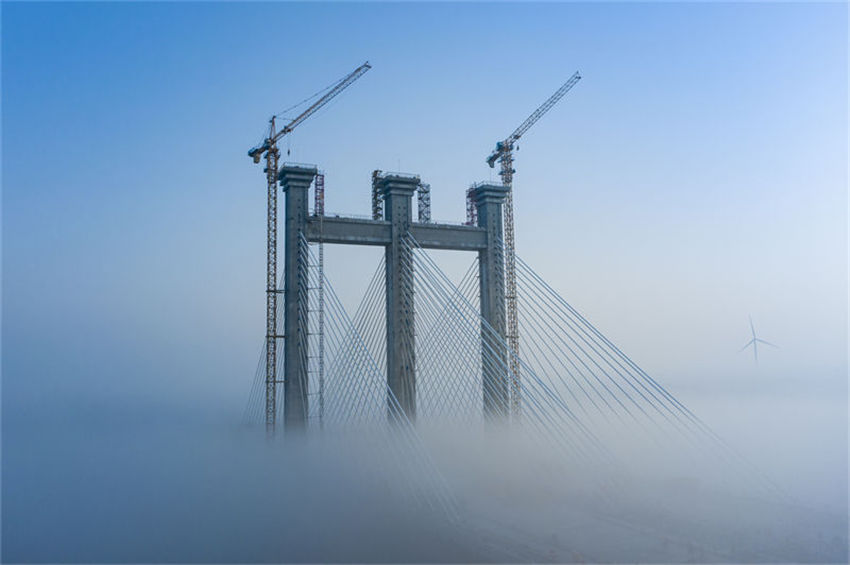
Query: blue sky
point(696, 175)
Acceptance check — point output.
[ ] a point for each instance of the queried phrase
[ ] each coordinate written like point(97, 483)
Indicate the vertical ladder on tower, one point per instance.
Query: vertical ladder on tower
point(319, 210)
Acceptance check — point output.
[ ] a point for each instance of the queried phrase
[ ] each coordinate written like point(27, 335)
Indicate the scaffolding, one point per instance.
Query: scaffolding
point(423, 199)
point(377, 202)
point(471, 209)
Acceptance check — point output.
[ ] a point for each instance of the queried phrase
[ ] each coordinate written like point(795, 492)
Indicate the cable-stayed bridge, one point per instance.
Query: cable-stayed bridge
point(423, 350)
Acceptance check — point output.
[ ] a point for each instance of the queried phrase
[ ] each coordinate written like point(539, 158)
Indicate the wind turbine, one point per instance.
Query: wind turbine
point(755, 343)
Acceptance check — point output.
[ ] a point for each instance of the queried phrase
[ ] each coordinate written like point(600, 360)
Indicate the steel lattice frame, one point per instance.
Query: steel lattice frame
point(507, 173)
point(271, 284)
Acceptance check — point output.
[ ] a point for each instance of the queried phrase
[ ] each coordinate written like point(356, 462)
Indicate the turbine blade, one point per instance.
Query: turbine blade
point(749, 343)
point(752, 329)
point(767, 343)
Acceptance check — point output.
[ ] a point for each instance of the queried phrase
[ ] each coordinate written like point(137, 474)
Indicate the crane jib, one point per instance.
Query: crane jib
point(506, 146)
point(337, 88)
point(341, 85)
point(545, 107)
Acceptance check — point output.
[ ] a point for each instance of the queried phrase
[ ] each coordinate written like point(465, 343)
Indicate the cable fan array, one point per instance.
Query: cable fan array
point(577, 390)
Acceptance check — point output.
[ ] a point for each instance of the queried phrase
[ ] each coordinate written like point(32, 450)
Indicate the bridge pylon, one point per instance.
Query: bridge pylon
point(394, 231)
point(295, 181)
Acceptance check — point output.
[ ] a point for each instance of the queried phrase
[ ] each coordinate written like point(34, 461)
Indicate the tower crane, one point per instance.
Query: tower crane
point(268, 149)
point(504, 154)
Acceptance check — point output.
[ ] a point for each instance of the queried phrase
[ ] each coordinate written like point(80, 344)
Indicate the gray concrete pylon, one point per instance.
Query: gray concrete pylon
point(491, 279)
point(295, 181)
point(397, 192)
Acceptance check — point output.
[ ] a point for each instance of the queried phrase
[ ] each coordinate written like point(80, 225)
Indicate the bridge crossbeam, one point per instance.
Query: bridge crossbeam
point(358, 231)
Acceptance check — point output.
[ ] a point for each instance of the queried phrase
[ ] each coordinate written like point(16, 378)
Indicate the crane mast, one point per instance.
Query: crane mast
point(271, 282)
point(504, 154)
point(268, 149)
